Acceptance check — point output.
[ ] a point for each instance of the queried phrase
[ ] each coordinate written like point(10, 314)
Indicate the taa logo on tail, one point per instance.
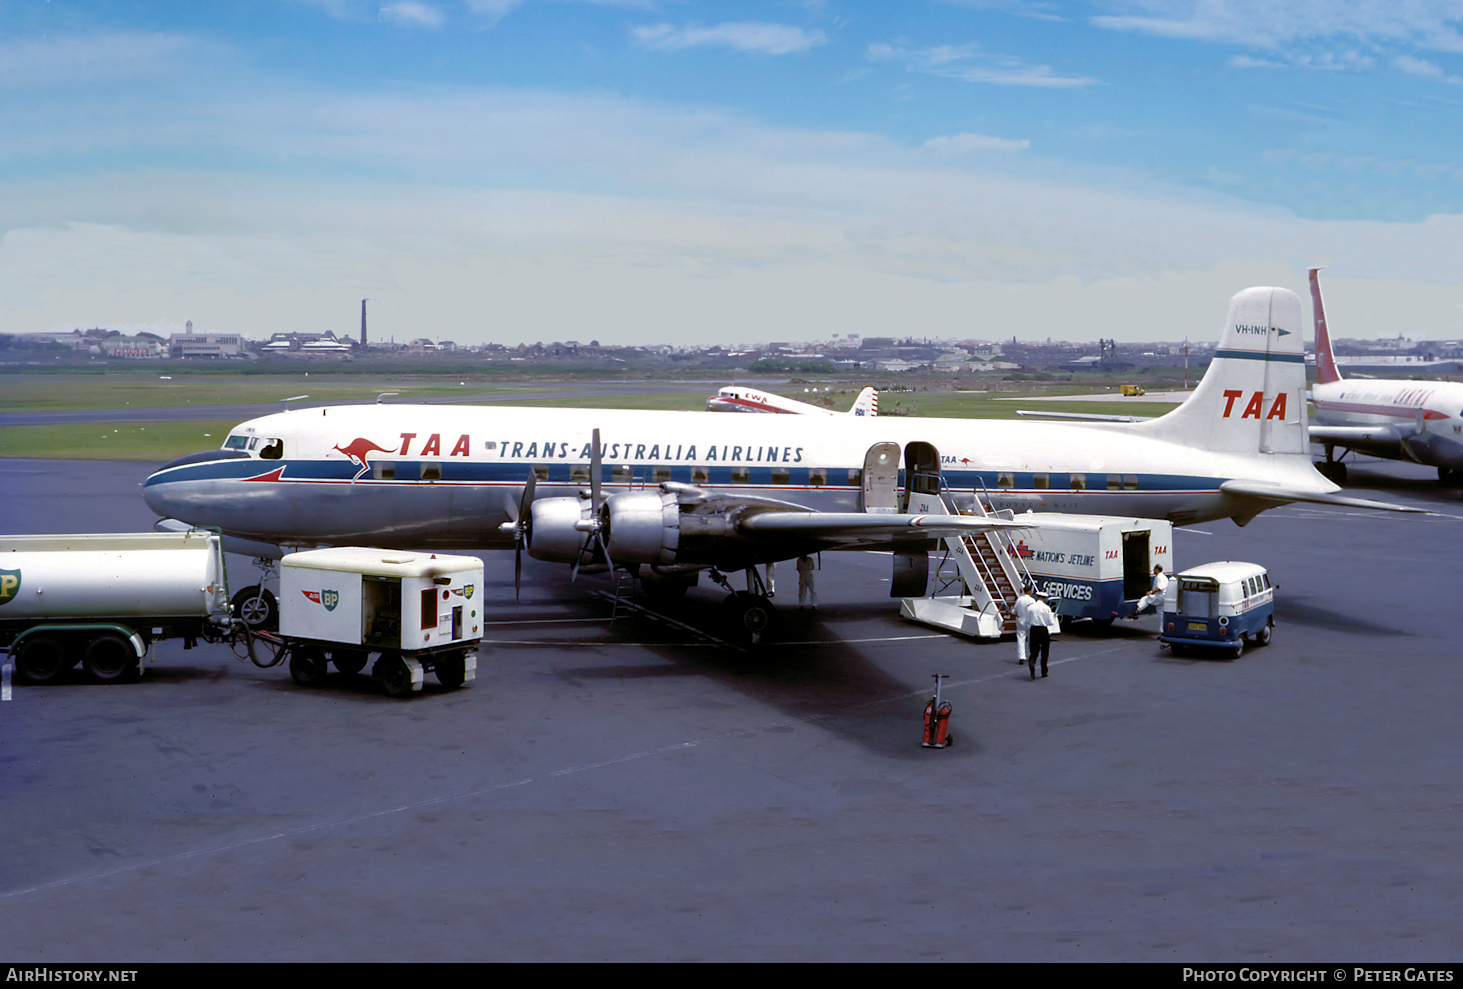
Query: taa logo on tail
point(1256, 405)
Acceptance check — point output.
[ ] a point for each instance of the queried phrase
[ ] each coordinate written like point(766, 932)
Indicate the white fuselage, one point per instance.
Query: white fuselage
point(1426, 416)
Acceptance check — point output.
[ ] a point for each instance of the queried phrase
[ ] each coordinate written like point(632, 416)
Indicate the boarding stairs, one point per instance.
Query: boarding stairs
point(987, 569)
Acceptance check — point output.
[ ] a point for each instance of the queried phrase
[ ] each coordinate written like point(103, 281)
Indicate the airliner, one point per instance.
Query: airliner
point(1420, 421)
point(735, 398)
point(677, 493)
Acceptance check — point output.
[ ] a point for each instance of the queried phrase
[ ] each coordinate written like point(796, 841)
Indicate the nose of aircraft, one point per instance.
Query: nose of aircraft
point(165, 490)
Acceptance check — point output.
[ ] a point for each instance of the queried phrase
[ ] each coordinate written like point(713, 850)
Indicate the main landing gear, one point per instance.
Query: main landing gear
point(256, 606)
point(1332, 469)
point(749, 614)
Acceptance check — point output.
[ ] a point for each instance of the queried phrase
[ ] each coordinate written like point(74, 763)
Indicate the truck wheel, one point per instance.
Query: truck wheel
point(257, 608)
point(42, 659)
point(307, 667)
point(349, 663)
point(109, 658)
point(1263, 636)
point(452, 672)
point(395, 677)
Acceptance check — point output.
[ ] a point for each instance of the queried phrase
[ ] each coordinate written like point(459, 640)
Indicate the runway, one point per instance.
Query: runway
point(646, 792)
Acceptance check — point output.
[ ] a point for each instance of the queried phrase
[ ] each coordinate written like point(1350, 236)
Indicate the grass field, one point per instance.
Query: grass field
point(135, 391)
point(98, 441)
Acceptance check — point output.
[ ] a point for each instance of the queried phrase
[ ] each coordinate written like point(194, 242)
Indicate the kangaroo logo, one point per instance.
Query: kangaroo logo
point(9, 585)
point(358, 450)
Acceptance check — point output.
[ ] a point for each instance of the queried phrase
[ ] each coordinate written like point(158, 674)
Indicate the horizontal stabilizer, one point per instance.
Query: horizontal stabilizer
point(1355, 434)
point(1081, 416)
point(1274, 492)
point(861, 526)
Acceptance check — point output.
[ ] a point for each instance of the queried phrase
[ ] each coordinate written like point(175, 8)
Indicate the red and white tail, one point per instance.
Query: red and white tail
point(1252, 397)
point(867, 403)
point(1325, 361)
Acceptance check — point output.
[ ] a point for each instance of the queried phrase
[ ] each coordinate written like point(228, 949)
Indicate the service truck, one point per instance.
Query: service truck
point(103, 599)
point(416, 612)
point(1093, 566)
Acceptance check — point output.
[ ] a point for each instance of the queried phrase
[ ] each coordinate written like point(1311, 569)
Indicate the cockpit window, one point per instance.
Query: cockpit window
point(236, 442)
point(273, 450)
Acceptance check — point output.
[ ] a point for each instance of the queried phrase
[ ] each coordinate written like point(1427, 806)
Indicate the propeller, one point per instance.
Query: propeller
point(596, 501)
point(520, 531)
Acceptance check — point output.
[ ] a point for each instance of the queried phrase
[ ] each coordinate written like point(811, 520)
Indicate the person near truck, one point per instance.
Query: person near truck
point(1043, 626)
point(806, 594)
point(1023, 623)
point(1154, 598)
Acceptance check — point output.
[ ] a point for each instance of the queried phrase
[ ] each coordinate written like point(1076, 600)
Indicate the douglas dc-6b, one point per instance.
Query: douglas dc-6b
point(678, 492)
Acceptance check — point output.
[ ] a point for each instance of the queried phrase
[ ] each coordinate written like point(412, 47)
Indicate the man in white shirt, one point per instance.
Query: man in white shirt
point(1154, 598)
point(1043, 626)
point(1023, 623)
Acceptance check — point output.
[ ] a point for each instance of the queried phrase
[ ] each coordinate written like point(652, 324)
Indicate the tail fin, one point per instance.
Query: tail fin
point(867, 403)
point(1252, 397)
point(1325, 361)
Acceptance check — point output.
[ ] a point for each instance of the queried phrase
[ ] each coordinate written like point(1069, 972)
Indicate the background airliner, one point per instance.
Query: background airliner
point(1420, 421)
point(735, 398)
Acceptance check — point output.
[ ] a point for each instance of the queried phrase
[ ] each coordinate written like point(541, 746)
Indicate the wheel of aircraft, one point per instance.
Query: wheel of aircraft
point(751, 615)
point(257, 608)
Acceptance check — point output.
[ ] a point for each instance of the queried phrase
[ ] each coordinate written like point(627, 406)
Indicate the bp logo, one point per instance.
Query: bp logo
point(467, 590)
point(9, 585)
point(330, 599)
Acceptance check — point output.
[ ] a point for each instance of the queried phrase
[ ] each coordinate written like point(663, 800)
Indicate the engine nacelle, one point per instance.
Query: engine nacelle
point(554, 532)
point(642, 527)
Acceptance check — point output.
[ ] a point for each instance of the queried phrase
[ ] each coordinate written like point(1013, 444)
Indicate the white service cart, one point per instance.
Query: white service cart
point(416, 612)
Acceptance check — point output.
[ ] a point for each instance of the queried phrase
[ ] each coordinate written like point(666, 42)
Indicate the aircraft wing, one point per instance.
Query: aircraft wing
point(859, 527)
point(1276, 493)
point(1081, 416)
point(1355, 435)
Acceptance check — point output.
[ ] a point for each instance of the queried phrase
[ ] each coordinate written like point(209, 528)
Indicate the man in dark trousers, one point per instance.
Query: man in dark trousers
point(1043, 623)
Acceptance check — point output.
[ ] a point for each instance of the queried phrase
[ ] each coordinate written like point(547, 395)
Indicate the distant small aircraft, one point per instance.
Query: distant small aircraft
point(1420, 421)
point(735, 398)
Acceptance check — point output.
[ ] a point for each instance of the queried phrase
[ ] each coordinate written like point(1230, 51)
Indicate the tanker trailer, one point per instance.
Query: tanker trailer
point(103, 599)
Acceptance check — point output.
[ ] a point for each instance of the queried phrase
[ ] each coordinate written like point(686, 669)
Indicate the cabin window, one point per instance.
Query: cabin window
point(1115, 482)
point(236, 442)
point(781, 475)
point(741, 475)
point(1041, 482)
point(490, 445)
point(273, 450)
point(1078, 482)
point(818, 475)
point(578, 473)
point(431, 472)
point(700, 475)
point(1005, 480)
point(660, 474)
point(1130, 482)
point(384, 470)
point(856, 477)
point(540, 471)
point(253, 442)
point(621, 474)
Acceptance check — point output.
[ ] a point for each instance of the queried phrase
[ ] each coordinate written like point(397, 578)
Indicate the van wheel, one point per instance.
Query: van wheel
point(42, 659)
point(108, 658)
point(394, 674)
point(1175, 649)
point(307, 667)
point(1239, 648)
point(452, 672)
point(1262, 637)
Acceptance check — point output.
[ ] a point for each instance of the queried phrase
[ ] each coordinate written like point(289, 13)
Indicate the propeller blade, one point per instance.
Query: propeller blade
point(527, 500)
point(517, 572)
point(596, 468)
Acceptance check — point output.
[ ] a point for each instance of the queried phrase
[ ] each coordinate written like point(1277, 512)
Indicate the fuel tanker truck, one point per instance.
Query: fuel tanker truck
point(101, 600)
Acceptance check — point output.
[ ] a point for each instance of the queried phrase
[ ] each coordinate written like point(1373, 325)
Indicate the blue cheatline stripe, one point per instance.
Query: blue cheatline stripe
point(1250, 355)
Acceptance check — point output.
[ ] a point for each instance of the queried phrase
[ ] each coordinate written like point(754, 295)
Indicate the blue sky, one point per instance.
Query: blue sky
point(654, 171)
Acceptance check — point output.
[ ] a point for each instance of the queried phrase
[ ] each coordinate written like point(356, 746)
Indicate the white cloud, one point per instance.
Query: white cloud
point(1274, 24)
point(1248, 62)
point(969, 63)
point(968, 143)
point(412, 13)
point(742, 36)
point(1422, 67)
point(89, 59)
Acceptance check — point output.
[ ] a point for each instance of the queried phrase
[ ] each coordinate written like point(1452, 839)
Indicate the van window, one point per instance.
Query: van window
point(1199, 600)
point(1267, 580)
